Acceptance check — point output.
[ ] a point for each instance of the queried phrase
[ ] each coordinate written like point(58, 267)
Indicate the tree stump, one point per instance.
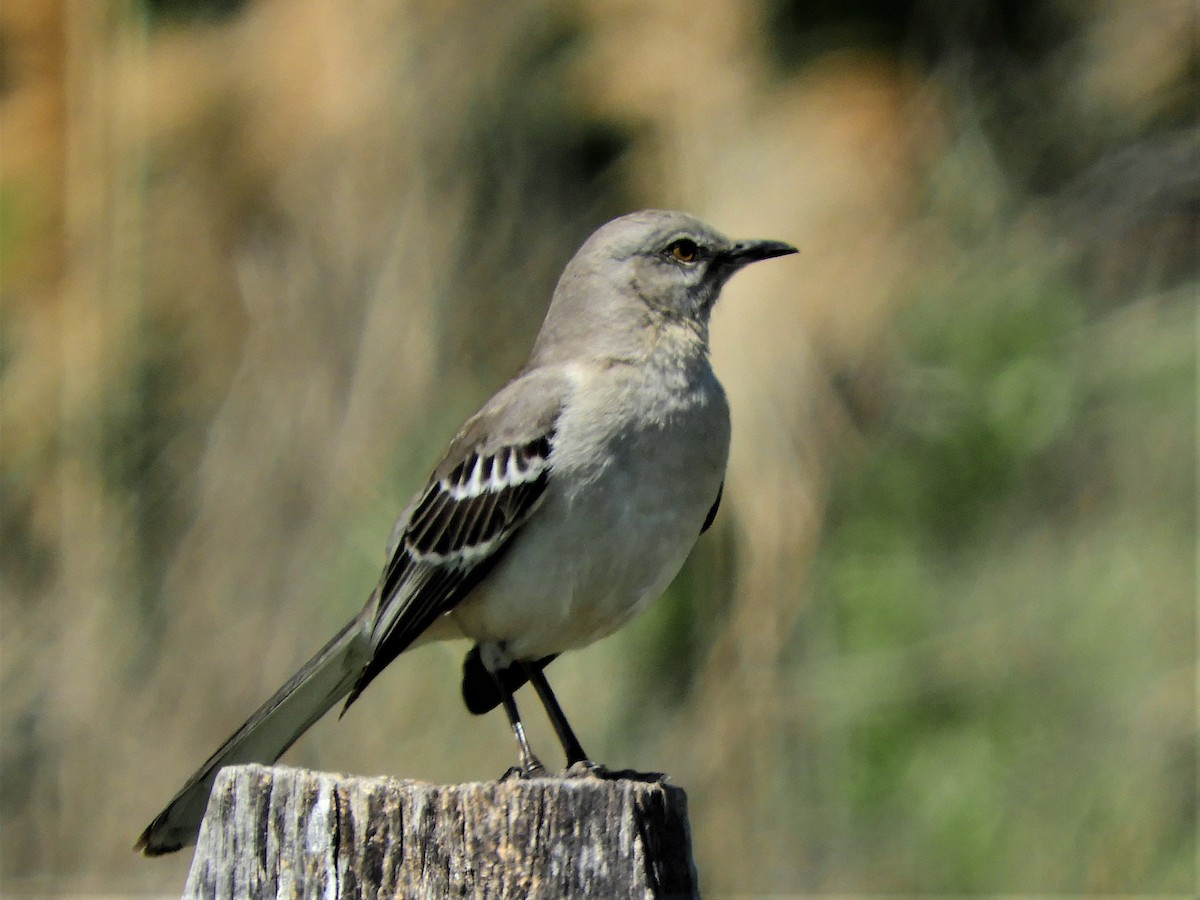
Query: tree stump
point(283, 832)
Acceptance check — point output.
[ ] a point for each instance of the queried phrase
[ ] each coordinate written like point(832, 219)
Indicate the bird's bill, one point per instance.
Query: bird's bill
point(745, 252)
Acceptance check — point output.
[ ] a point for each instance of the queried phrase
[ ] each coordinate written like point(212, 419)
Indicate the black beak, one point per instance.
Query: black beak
point(745, 252)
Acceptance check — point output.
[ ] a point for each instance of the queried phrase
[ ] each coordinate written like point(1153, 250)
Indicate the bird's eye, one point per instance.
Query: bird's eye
point(683, 250)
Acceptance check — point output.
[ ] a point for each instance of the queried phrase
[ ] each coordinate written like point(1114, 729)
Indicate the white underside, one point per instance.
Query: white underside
point(607, 539)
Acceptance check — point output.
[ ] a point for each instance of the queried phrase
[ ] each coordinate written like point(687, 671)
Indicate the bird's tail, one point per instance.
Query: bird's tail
point(295, 707)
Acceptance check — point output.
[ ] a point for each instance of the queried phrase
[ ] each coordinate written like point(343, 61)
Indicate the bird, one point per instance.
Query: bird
point(559, 511)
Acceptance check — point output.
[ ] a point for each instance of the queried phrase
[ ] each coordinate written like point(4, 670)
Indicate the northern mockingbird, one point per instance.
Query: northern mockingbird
point(560, 510)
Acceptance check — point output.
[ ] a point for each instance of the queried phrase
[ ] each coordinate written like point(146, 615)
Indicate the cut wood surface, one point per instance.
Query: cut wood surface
point(283, 832)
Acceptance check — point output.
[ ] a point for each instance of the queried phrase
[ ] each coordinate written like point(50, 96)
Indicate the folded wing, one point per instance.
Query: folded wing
point(454, 534)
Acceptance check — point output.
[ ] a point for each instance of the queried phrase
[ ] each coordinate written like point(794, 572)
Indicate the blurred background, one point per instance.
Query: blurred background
point(261, 257)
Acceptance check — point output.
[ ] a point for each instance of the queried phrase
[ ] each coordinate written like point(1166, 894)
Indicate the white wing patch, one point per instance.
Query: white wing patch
point(461, 519)
point(465, 515)
point(493, 473)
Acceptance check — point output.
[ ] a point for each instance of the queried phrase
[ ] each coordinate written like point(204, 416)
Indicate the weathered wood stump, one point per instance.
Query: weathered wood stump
point(283, 832)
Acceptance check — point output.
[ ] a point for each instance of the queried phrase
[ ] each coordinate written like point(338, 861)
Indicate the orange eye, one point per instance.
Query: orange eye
point(683, 250)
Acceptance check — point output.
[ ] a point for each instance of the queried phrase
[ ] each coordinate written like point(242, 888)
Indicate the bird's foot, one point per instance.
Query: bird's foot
point(524, 773)
point(585, 768)
point(588, 769)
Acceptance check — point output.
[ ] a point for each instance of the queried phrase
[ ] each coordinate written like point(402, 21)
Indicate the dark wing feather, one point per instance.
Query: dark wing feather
point(712, 510)
point(454, 535)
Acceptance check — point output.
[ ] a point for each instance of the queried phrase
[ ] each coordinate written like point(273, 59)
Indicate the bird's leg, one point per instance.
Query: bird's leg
point(531, 766)
point(577, 760)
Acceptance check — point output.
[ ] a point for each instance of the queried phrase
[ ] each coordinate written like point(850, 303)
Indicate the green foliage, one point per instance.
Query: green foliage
point(190, 10)
point(995, 391)
point(991, 552)
point(13, 218)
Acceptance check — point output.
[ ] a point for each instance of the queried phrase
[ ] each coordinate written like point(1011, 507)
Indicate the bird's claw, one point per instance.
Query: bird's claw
point(589, 769)
point(519, 773)
point(585, 768)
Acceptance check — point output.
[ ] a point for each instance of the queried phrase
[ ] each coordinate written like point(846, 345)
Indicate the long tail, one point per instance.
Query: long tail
point(295, 707)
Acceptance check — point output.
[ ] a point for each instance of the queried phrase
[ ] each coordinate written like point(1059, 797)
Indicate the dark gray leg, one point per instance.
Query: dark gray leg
point(566, 735)
point(531, 766)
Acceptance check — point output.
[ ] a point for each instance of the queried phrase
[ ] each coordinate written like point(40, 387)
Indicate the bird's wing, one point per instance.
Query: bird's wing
point(487, 486)
point(712, 510)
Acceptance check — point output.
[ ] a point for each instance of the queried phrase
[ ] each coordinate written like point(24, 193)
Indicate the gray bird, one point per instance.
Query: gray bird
point(561, 509)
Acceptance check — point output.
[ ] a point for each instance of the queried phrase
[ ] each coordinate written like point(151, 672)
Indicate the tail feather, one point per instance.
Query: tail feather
point(309, 694)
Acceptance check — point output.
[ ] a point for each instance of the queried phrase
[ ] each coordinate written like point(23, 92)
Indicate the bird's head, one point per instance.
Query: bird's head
point(672, 261)
point(667, 263)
